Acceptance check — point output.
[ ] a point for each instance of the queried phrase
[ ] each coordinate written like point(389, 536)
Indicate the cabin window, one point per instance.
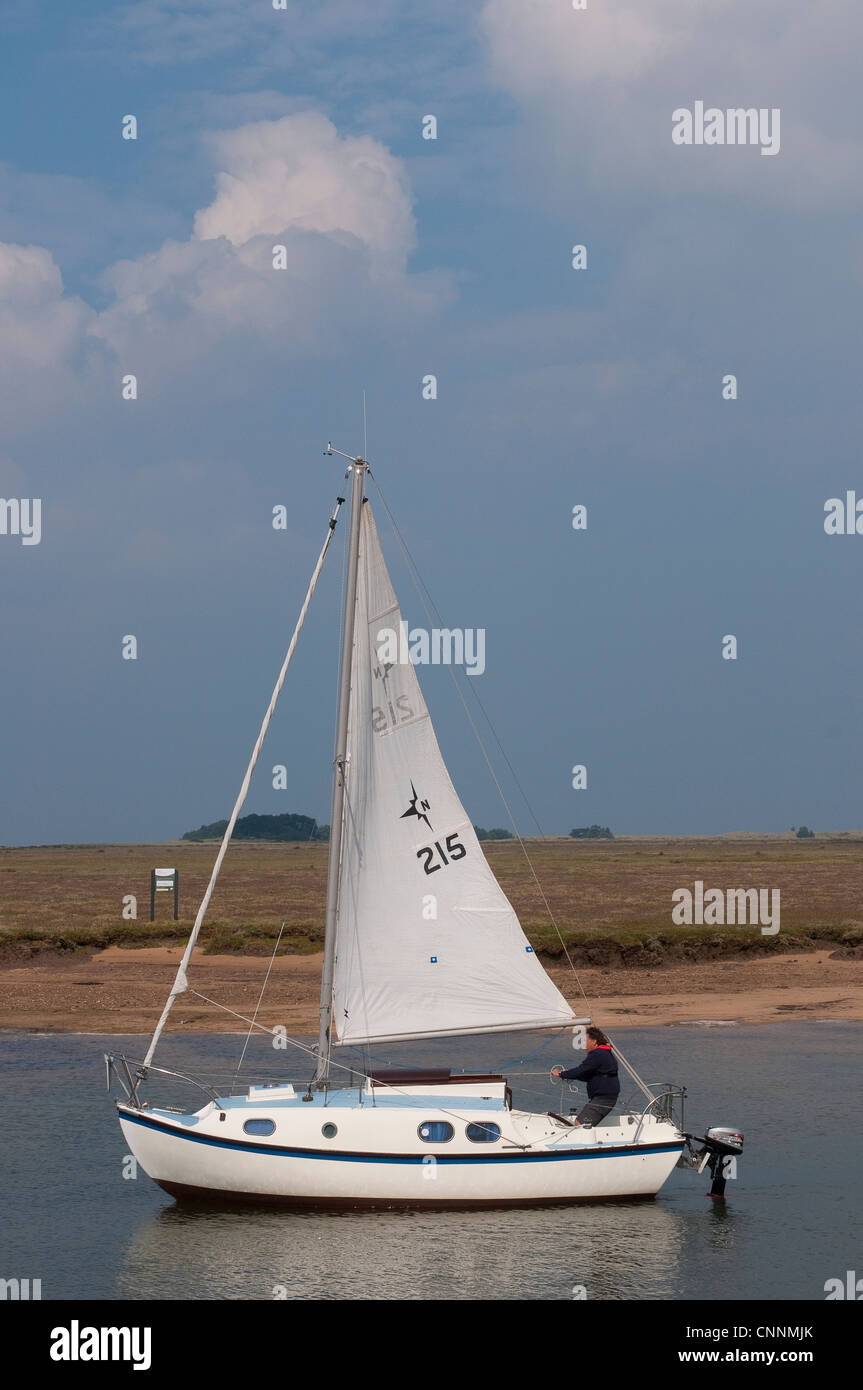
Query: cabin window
point(259, 1126)
point(435, 1131)
point(483, 1134)
point(329, 1131)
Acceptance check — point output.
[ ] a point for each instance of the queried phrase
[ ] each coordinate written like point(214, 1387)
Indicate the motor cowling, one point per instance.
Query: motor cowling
point(721, 1144)
point(721, 1139)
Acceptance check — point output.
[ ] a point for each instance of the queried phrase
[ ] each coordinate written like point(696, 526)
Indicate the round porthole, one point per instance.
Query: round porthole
point(329, 1131)
point(259, 1126)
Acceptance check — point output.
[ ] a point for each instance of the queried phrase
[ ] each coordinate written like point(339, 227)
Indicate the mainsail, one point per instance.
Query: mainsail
point(427, 943)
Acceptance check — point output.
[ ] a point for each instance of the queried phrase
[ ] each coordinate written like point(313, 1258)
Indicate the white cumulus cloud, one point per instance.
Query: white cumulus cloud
point(298, 172)
point(38, 324)
point(341, 207)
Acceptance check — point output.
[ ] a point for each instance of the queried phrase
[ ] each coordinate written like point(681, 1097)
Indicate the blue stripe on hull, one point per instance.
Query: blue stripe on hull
point(276, 1151)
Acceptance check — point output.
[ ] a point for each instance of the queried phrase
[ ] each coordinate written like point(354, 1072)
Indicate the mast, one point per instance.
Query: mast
point(358, 467)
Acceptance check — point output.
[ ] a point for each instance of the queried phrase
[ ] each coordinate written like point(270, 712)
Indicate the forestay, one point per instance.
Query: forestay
point(427, 943)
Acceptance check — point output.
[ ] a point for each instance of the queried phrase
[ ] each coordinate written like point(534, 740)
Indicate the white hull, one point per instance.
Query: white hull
point(377, 1158)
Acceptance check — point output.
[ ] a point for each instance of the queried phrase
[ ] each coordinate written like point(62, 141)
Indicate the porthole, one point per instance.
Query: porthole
point(483, 1133)
point(435, 1132)
point(259, 1126)
point(329, 1131)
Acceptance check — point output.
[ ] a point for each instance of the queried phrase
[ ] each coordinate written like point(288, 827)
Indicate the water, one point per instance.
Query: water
point(789, 1223)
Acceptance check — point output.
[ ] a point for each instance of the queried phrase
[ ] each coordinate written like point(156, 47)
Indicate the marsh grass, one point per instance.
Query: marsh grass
point(611, 899)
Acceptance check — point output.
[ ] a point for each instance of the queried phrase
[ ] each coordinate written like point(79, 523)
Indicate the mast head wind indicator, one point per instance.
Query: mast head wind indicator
point(359, 461)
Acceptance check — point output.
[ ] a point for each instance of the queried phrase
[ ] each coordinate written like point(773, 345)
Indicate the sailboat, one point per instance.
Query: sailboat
point(421, 943)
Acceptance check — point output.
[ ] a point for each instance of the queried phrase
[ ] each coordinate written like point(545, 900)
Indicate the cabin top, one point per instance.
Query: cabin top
point(395, 1084)
point(398, 1076)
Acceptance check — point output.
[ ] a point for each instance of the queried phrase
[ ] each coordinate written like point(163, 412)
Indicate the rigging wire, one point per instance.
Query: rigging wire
point(312, 1052)
point(517, 1061)
point(258, 1005)
point(181, 982)
point(508, 1062)
point(431, 610)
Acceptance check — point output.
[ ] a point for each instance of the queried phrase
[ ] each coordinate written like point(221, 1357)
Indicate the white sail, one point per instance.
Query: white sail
point(427, 943)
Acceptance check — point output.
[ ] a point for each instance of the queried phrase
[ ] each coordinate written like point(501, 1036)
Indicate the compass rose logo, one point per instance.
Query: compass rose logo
point(417, 808)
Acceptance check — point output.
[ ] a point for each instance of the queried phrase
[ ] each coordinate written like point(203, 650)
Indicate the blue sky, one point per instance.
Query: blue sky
point(556, 387)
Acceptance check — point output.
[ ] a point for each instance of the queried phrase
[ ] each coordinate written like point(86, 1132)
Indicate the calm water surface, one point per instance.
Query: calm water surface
point(791, 1221)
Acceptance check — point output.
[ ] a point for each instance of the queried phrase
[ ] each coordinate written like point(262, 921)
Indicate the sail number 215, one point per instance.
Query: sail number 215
point(454, 850)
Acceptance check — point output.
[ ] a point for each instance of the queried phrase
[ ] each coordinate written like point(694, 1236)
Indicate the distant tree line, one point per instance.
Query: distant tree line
point(496, 834)
point(804, 833)
point(285, 827)
point(592, 832)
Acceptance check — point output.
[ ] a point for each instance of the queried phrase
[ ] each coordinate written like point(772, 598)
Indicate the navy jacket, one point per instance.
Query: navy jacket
point(599, 1070)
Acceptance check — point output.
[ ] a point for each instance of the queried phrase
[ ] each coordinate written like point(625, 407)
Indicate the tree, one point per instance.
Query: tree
point(286, 827)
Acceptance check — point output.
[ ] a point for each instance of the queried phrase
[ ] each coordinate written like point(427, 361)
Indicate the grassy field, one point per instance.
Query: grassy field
point(611, 899)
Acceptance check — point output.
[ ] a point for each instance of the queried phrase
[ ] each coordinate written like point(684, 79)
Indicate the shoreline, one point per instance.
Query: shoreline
point(120, 991)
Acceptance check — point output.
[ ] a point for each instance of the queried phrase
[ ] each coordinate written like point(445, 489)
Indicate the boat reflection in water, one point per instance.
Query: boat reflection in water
point(628, 1250)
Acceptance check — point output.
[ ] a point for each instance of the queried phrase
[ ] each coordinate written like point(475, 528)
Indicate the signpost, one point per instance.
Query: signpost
point(164, 881)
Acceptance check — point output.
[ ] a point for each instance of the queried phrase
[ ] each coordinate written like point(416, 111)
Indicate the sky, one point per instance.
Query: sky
point(407, 257)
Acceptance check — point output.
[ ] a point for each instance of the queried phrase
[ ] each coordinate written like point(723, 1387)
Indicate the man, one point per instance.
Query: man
point(599, 1071)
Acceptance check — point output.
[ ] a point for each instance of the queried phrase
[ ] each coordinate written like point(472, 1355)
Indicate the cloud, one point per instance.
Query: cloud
point(39, 326)
point(340, 205)
point(620, 40)
point(175, 31)
point(342, 209)
point(299, 173)
point(597, 88)
point(47, 357)
point(172, 32)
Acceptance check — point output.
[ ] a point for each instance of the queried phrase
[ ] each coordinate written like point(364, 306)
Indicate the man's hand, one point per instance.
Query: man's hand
point(556, 1072)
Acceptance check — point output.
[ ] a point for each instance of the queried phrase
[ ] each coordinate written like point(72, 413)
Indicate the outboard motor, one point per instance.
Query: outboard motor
point(721, 1146)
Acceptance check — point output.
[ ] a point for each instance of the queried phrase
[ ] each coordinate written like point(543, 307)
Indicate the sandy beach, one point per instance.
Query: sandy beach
point(120, 990)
